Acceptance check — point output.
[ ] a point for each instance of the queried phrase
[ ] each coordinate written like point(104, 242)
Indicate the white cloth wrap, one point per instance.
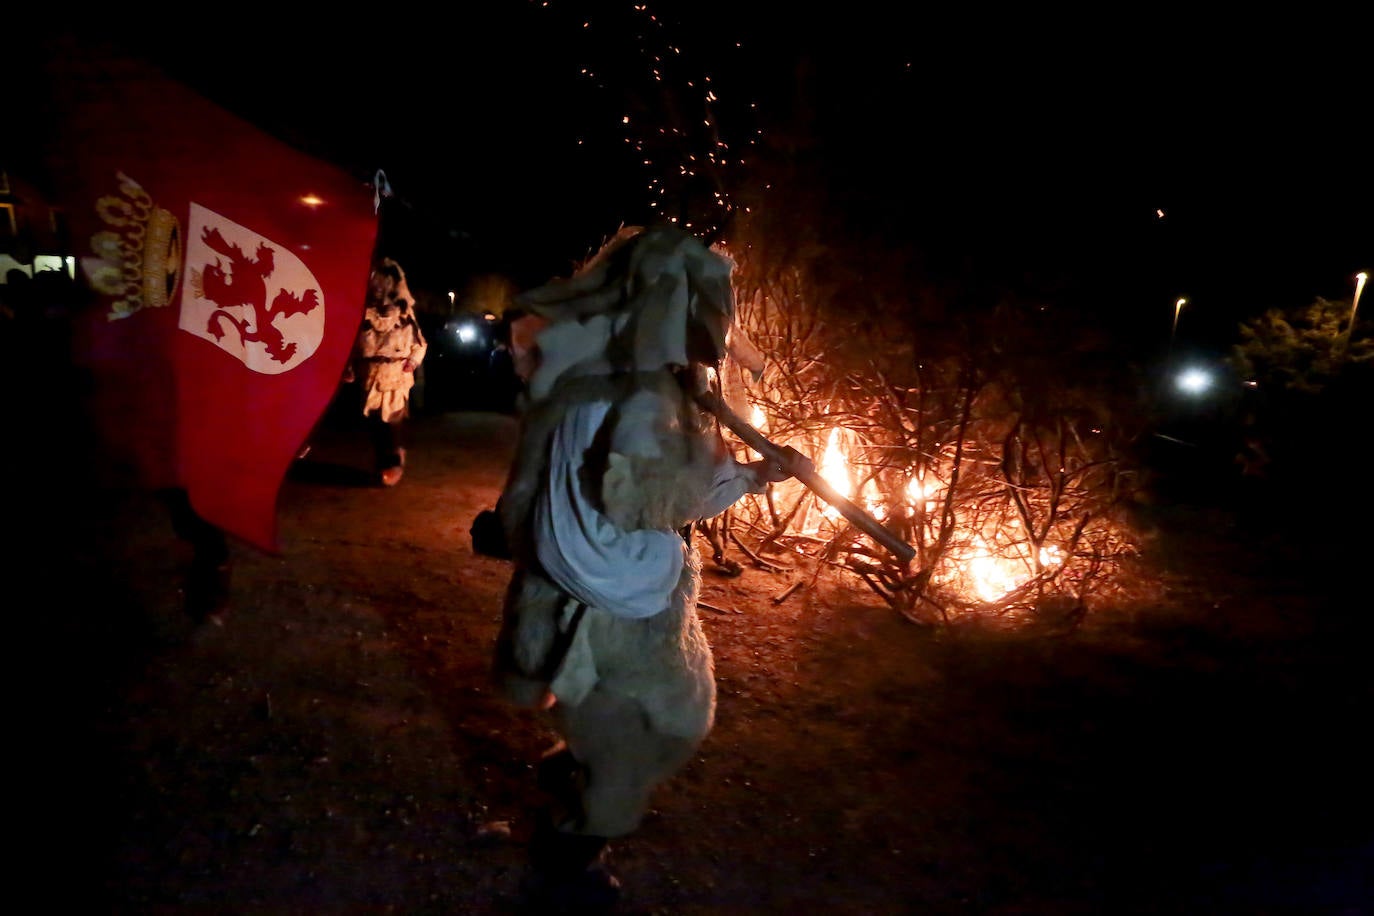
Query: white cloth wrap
point(626, 573)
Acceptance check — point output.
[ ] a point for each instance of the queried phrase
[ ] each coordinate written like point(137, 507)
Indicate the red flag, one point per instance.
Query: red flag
point(227, 273)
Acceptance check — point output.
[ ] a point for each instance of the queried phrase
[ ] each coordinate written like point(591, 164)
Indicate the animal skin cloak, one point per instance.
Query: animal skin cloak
point(614, 461)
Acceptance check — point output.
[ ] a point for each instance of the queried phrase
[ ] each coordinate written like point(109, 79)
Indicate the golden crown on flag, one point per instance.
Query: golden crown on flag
point(139, 258)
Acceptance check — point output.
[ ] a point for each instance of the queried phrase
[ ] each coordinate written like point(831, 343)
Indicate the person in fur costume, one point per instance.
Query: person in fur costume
point(614, 464)
point(389, 349)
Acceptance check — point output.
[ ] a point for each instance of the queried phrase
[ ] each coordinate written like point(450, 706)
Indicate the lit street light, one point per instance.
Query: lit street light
point(1359, 288)
point(1178, 307)
point(1193, 381)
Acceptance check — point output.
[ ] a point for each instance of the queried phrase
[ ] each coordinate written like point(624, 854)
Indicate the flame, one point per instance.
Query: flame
point(835, 470)
point(992, 575)
point(986, 566)
point(873, 499)
point(916, 491)
point(759, 420)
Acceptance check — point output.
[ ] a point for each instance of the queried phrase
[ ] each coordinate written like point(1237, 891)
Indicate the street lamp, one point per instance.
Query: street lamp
point(1359, 288)
point(1178, 307)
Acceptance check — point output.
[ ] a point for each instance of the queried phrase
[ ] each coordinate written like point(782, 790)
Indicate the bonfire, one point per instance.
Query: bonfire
point(1013, 505)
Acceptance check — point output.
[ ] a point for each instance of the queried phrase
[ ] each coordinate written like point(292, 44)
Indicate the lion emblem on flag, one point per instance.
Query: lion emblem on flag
point(252, 298)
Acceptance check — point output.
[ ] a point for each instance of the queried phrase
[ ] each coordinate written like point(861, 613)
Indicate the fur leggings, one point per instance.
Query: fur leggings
point(622, 759)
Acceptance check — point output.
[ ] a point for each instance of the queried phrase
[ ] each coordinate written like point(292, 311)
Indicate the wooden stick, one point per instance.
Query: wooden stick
point(801, 467)
point(755, 557)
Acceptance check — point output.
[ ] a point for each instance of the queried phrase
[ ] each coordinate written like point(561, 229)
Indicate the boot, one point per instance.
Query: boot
point(567, 872)
point(392, 475)
point(207, 590)
point(560, 775)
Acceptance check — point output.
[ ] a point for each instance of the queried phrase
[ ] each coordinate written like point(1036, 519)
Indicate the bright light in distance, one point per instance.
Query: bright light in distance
point(467, 332)
point(45, 262)
point(1193, 381)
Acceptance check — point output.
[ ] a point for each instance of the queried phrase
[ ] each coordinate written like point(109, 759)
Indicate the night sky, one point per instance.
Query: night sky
point(502, 127)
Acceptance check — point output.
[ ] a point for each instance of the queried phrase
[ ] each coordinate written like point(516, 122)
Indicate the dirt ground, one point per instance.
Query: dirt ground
point(334, 747)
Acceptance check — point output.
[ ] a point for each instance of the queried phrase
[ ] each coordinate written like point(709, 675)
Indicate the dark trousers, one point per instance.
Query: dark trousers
point(206, 588)
point(386, 439)
point(208, 542)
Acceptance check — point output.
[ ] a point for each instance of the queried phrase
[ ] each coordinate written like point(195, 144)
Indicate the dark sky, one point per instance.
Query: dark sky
point(501, 127)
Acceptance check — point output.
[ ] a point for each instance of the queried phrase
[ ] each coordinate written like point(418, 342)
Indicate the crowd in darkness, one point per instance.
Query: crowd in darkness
point(45, 294)
point(36, 326)
point(474, 375)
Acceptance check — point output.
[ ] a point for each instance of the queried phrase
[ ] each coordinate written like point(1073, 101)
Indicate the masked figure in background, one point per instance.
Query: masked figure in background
point(614, 464)
point(389, 349)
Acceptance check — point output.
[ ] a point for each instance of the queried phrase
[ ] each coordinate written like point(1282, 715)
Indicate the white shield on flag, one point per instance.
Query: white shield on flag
point(249, 296)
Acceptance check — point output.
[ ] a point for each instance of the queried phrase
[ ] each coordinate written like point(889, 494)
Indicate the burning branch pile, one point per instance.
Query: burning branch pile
point(1008, 486)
